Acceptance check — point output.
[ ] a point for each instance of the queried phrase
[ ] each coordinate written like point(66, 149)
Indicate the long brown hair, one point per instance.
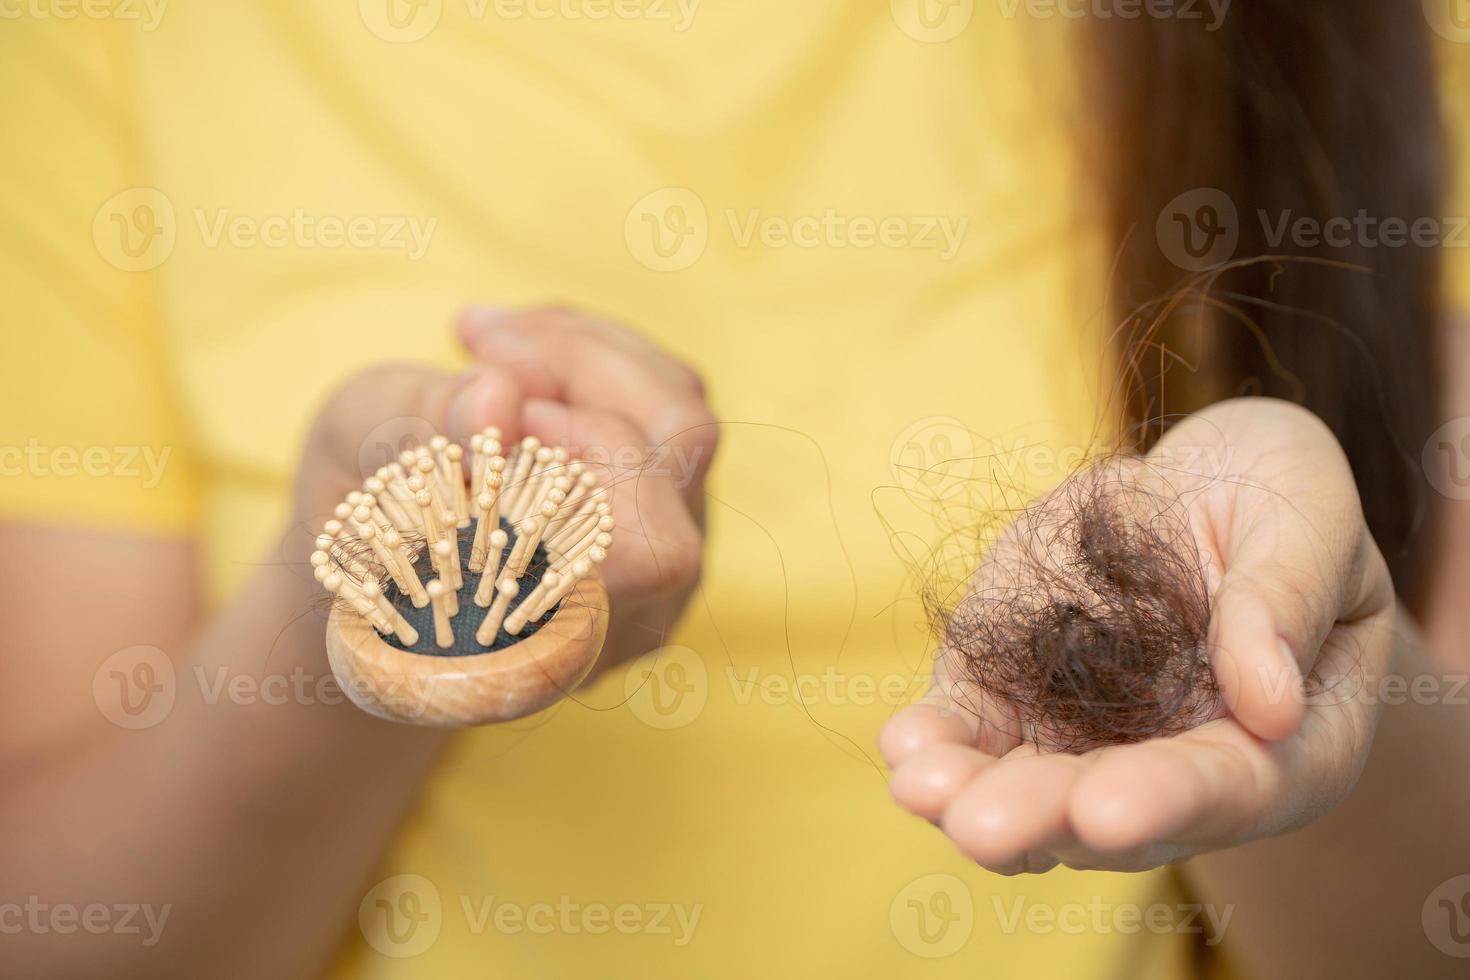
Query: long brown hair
point(1307, 108)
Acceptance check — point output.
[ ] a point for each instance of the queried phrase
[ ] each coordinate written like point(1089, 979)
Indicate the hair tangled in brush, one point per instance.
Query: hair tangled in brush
point(1087, 622)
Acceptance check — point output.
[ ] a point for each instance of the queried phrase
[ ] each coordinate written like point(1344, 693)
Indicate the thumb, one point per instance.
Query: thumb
point(1283, 592)
point(1256, 666)
point(379, 413)
point(1294, 554)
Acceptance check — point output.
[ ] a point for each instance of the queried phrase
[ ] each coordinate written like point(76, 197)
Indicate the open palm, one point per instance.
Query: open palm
point(1297, 588)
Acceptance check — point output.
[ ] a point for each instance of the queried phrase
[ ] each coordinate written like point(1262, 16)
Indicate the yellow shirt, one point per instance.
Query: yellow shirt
point(856, 221)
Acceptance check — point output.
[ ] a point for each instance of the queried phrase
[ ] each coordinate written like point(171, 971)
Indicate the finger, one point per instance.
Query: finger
point(1297, 558)
point(659, 544)
point(1209, 786)
point(1256, 668)
point(567, 358)
point(950, 711)
point(931, 777)
point(993, 722)
point(921, 726)
point(1014, 807)
point(487, 396)
point(1079, 857)
point(377, 413)
point(678, 372)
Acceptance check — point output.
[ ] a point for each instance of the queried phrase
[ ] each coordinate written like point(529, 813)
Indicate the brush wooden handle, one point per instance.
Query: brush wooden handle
point(449, 692)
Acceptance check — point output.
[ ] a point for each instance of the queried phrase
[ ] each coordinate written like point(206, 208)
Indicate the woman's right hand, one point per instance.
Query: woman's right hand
point(607, 395)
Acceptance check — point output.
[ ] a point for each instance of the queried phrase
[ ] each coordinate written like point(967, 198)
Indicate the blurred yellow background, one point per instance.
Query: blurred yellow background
point(863, 222)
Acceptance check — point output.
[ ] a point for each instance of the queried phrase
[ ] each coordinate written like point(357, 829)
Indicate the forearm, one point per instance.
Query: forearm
point(1343, 898)
point(253, 821)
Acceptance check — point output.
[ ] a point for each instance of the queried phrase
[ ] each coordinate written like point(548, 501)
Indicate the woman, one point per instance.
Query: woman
point(244, 228)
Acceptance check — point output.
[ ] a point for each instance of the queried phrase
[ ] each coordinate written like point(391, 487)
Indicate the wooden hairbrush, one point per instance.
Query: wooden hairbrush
point(467, 604)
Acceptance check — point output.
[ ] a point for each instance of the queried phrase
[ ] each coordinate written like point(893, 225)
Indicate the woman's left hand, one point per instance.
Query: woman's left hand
point(1298, 587)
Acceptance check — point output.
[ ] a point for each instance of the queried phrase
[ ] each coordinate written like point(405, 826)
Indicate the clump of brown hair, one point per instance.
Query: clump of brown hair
point(1087, 623)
